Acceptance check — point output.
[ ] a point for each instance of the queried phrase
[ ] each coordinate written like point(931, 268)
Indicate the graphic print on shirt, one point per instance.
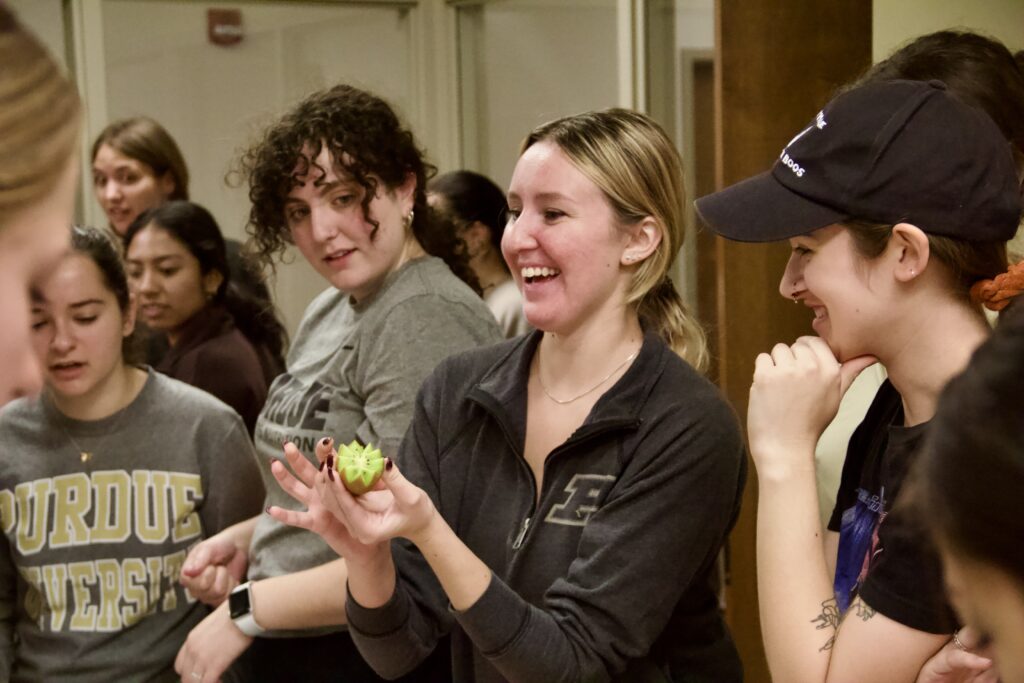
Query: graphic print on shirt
point(585, 493)
point(153, 511)
point(858, 544)
point(295, 413)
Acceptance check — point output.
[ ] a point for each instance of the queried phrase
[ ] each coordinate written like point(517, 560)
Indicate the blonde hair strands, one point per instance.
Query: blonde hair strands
point(39, 116)
point(631, 159)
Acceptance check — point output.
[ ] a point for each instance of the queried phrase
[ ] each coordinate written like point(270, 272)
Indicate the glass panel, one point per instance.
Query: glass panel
point(679, 35)
point(524, 62)
point(662, 65)
point(214, 99)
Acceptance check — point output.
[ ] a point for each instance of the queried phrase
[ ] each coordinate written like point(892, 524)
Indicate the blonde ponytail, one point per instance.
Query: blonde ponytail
point(662, 310)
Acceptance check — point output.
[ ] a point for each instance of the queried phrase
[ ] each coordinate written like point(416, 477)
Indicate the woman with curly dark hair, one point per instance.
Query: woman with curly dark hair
point(341, 179)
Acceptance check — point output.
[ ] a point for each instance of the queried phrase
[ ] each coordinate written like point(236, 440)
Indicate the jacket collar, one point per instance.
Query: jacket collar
point(502, 389)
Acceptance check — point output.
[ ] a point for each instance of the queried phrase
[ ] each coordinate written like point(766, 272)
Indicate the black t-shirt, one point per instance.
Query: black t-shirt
point(885, 555)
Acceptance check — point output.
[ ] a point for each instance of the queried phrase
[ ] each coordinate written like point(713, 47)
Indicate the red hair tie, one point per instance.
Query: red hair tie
point(995, 294)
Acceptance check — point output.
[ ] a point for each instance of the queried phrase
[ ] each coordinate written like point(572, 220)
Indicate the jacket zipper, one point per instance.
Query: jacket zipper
point(522, 534)
point(580, 435)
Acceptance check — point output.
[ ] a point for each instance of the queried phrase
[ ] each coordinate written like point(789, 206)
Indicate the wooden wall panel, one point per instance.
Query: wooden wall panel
point(777, 63)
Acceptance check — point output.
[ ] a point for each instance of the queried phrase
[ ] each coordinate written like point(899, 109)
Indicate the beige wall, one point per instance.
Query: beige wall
point(520, 67)
point(896, 21)
point(46, 19)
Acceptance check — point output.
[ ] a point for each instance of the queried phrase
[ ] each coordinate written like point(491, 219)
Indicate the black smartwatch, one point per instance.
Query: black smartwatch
point(240, 606)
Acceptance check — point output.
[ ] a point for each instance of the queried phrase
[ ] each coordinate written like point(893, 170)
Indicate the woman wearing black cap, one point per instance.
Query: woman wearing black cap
point(896, 199)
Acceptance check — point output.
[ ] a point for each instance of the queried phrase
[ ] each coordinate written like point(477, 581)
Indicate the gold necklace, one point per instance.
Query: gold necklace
point(607, 377)
point(84, 455)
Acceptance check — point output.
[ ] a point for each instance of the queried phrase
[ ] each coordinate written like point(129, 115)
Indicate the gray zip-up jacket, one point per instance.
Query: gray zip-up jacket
point(605, 575)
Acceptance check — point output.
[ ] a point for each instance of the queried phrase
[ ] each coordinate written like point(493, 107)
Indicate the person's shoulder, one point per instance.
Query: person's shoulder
point(686, 392)
point(430, 278)
point(429, 294)
point(680, 377)
point(180, 401)
point(26, 409)
point(461, 371)
point(226, 353)
point(504, 295)
point(323, 304)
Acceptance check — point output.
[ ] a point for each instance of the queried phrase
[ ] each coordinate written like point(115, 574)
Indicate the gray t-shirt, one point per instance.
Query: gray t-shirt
point(91, 549)
point(353, 373)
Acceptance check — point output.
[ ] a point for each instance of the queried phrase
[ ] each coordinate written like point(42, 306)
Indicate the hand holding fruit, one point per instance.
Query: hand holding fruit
point(316, 517)
point(372, 512)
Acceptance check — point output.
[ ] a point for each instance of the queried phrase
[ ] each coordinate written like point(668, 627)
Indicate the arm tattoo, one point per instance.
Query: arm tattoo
point(863, 610)
point(828, 619)
point(831, 618)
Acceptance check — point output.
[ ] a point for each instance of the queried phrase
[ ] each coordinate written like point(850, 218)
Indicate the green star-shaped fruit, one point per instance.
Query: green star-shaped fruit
point(359, 466)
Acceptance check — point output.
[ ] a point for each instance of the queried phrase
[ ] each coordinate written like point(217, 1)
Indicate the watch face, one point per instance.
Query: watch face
point(238, 603)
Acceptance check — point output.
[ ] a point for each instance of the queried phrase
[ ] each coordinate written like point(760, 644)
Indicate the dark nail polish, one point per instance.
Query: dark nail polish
point(330, 473)
point(388, 464)
point(330, 460)
point(324, 441)
point(322, 463)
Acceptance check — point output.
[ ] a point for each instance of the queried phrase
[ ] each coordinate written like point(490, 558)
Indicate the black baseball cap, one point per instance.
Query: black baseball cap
point(893, 152)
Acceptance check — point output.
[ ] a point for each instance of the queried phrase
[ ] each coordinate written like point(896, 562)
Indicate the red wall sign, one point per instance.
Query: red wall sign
point(224, 26)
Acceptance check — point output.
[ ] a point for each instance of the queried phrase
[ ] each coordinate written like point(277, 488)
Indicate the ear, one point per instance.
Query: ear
point(406, 193)
point(167, 185)
point(211, 283)
point(644, 238)
point(128, 324)
point(910, 249)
